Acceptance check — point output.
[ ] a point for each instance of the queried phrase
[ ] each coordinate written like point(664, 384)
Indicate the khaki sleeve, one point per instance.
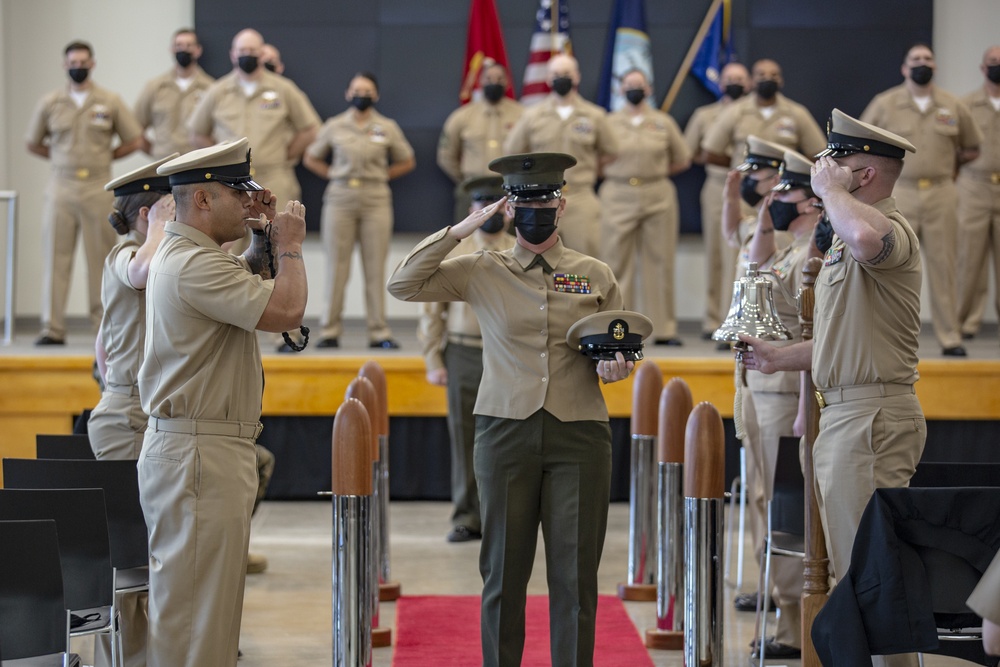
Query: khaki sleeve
point(679, 151)
point(143, 105)
point(694, 131)
point(449, 149)
point(38, 126)
point(425, 276)
point(519, 139)
point(719, 136)
point(399, 148)
point(607, 141)
point(126, 125)
point(811, 140)
point(200, 121)
point(321, 147)
point(300, 110)
point(969, 135)
point(873, 113)
point(431, 332)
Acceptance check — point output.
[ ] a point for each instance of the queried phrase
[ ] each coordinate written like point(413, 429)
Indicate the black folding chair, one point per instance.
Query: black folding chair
point(67, 446)
point(34, 621)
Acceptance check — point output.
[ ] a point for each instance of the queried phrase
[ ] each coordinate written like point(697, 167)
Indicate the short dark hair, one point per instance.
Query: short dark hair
point(915, 45)
point(367, 75)
point(79, 45)
point(186, 31)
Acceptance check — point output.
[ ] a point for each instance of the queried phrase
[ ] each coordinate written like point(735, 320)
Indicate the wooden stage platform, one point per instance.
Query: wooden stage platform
point(41, 392)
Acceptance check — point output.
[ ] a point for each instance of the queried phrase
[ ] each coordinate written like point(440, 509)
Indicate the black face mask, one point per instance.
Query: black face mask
point(993, 73)
point(783, 213)
point(494, 91)
point(766, 90)
point(635, 95)
point(493, 224)
point(562, 85)
point(921, 75)
point(361, 102)
point(184, 58)
point(79, 74)
point(270, 67)
point(748, 191)
point(535, 225)
point(824, 233)
point(247, 63)
point(735, 91)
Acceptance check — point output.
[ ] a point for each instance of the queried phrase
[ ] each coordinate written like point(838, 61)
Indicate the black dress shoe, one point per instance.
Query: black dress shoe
point(463, 534)
point(328, 342)
point(707, 335)
point(748, 602)
point(773, 649)
point(723, 346)
point(387, 344)
point(968, 336)
point(48, 340)
point(673, 342)
point(957, 351)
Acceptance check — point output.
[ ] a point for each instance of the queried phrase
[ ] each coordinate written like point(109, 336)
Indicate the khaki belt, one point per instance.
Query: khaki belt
point(860, 392)
point(127, 390)
point(82, 173)
point(635, 181)
point(465, 339)
point(988, 176)
point(926, 183)
point(356, 182)
point(250, 430)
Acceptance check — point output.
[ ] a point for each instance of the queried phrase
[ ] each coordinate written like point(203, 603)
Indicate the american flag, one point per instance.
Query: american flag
point(550, 37)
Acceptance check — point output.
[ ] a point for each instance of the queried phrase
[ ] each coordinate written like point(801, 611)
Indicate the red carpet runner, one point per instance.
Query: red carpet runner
point(439, 631)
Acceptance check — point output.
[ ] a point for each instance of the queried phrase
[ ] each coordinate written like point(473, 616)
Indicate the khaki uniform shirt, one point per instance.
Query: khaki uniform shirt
point(202, 360)
point(473, 136)
point(985, 599)
point(80, 138)
point(938, 134)
point(165, 108)
point(698, 125)
point(270, 118)
point(867, 318)
point(360, 152)
point(585, 134)
point(987, 119)
point(646, 150)
point(524, 315)
point(123, 327)
point(789, 125)
point(438, 319)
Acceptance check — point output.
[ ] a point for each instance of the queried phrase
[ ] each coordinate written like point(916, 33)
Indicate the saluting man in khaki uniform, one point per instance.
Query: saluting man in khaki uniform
point(640, 218)
point(76, 128)
point(864, 354)
point(979, 203)
point(453, 353)
point(365, 150)
point(720, 257)
point(167, 101)
point(940, 126)
point(564, 122)
point(543, 444)
point(474, 134)
point(201, 384)
point(268, 109)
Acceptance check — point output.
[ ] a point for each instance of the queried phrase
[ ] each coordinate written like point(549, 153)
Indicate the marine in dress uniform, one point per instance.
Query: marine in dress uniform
point(640, 217)
point(565, 122)
point(359, 151)
point(979, 203)
point(867, 320)
point(117, 424)
point(167, 101)
point(474, 134)
point(946, 136)
point(75, 128)
point(453, 353)
point(201, 384)
point(267, 108)
point(543, 444)
point(720, 257)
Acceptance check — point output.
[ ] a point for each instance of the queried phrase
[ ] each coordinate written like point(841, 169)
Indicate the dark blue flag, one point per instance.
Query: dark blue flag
point(627, 49)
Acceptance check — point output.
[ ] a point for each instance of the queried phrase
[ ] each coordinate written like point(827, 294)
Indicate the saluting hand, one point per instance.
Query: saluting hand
point(731, 190)
point(475, 220)
point(764, 221)
point(828, 176)
point(615, 369)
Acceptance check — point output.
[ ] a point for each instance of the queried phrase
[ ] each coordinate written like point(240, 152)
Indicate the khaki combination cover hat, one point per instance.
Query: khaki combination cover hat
point(794, 172)
point(143, 179)
point(761, 154)
point(533, 176)
point(601, 335)
point(847, 136)
point(227, 163)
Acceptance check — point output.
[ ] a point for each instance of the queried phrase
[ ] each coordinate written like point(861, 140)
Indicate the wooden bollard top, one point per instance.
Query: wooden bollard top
point(704, 454)
point(675, 407)
point(362, 389)
point(376, 375)
point(351, 450)
point(645, 392)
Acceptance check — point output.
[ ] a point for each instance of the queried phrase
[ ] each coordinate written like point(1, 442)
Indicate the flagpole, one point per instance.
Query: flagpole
point(685, 67)
point(554, 31)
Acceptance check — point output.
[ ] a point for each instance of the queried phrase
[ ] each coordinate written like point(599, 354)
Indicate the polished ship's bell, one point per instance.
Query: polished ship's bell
point(752, 311)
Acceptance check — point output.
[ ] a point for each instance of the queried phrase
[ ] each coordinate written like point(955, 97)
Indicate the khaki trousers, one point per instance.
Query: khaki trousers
point(73, 207)
point(363, 216)
point(197, 493)
point(932, 213)
point(639, 226)
point(720, 257)
point(862, 446)
point(978, 243)
point(579, 225)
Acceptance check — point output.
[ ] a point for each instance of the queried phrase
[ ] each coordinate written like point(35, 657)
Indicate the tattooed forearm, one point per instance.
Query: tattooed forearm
point(888, 243)
point(291, 255)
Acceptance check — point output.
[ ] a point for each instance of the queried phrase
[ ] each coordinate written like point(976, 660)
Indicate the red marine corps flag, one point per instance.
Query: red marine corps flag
point(484, 43)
